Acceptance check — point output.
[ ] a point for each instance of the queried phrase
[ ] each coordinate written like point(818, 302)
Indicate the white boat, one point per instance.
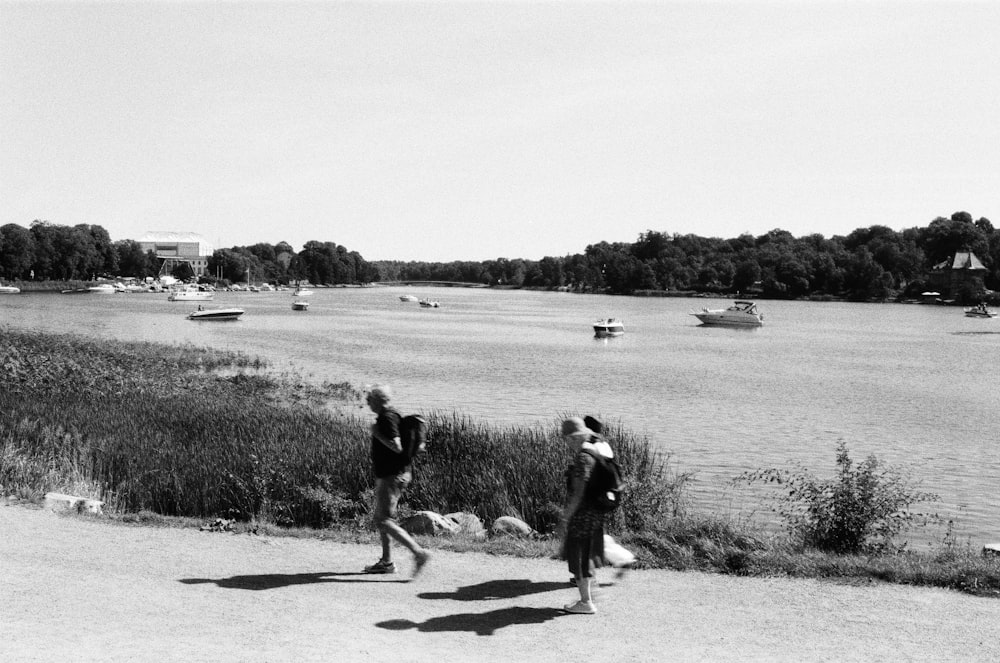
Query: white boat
point(427, 303)
point(302, 292)
point(9, 290)
point(979, 312)
point(609, 327)
point(740, 314)
point(215, 314)
point(300, 306)
point(407, 298)
point(103, 289)
point(190, 295)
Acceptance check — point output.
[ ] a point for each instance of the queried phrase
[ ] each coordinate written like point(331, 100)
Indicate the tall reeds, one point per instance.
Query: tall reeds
point(158, 428)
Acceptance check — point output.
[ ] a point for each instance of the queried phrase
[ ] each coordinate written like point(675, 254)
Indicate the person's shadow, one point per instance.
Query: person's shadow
point(496, 589)
point(277, 580)
point(484, 623)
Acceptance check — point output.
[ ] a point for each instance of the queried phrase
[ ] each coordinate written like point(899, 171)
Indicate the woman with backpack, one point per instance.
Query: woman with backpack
point(582, 523)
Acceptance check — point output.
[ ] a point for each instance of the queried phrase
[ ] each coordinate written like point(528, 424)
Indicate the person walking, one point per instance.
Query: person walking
point(582, 525)
point(392, 476)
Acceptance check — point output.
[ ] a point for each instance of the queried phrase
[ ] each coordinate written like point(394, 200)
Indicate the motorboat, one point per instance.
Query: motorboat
point(740, 314)
point(979, 312)
point(428, 303)
point(300, 306)
point(190, 295)
point(608, 327)
point(302, 292)
point(9, 290)
point(407, 298)
point(215, 314)
point(102, 289)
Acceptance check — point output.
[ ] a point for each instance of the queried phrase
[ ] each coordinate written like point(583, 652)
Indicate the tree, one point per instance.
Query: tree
point(17, 251)
point(943, 238)
point(132, 260)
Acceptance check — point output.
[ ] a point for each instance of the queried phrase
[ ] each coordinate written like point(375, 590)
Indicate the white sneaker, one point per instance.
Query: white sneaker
point(581, 608)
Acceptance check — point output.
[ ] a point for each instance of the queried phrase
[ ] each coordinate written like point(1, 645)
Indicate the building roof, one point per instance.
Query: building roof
point(962, 260)
point(171, 236)
point(174, 237)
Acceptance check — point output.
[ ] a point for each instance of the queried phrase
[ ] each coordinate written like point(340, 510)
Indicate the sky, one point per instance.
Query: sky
point(447, 131)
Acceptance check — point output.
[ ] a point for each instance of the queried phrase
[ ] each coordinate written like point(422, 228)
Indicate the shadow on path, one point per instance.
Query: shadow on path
point(496, 589)
point(485, 623)
point(277, 580)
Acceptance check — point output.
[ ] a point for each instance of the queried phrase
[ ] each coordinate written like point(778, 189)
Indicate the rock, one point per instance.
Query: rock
point(468, 524)
point(429, 523)
point(60, 502)
point(511, 526)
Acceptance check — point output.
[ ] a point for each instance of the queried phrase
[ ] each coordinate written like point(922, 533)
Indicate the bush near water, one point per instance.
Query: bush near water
point(182, 431)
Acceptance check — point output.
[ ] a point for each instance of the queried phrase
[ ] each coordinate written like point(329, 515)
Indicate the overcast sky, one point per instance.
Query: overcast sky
point(448, 131)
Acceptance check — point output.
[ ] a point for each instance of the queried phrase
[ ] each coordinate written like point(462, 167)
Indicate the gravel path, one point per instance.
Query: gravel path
point(81, 589)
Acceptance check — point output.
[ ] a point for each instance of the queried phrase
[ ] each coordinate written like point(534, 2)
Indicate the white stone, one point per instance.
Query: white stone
point(430, 523)
point(468, 523)
point(61, 502)
point(511, 526)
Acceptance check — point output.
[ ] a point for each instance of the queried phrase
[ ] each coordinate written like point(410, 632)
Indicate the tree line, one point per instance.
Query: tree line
point(52, 252)
point(873, 263)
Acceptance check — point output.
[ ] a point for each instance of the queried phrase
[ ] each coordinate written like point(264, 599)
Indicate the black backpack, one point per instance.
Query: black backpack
point(412, 435)
point(604, 488)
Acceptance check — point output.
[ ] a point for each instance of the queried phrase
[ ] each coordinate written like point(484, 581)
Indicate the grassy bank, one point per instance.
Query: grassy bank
point(186, 432)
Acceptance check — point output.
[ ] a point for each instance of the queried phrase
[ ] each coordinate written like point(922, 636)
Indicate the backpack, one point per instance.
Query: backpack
point(412, 435)
point(604, 488)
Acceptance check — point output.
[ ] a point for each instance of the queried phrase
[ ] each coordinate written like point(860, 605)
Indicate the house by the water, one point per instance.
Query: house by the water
point(950, 275)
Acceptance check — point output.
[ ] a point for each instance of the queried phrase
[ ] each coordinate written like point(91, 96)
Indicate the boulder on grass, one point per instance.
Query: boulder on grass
point(468, 524)
point(429, 523)
point(61, 502)
point(511, 526)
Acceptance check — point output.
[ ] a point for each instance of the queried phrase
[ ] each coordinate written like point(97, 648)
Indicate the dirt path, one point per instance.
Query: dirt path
point(76, 589)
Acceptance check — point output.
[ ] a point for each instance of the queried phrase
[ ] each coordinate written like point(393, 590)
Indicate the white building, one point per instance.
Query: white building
point(179, 247)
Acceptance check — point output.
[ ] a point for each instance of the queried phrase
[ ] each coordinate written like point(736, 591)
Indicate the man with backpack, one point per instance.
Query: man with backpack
point(391, 465)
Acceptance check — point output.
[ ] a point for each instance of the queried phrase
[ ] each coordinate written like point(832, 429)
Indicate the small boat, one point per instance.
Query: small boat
point(302, 292)
point(300, 306)
point(190, 295)
point(103, 289)
point(740, 314)
point(9, 290)
point(427, 303)
point(979, 312)
point(609, 327)
point(215, 314)
point(407, 298)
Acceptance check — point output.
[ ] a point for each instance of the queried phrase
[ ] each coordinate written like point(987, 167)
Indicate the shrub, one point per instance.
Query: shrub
point(860, 510)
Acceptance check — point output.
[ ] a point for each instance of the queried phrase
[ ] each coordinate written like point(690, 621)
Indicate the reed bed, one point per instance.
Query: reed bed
point(189, 432)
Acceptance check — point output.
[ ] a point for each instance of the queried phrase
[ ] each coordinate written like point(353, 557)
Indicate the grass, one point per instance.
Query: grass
point(172, 434)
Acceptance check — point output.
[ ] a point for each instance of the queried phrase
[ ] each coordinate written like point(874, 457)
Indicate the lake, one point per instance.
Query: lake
point(914, 385)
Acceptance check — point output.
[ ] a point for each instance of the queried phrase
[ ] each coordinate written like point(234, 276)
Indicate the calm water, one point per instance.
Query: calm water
point(915, 385)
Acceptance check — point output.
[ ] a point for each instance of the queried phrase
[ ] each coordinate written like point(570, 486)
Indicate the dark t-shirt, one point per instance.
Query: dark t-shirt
point(385, 461)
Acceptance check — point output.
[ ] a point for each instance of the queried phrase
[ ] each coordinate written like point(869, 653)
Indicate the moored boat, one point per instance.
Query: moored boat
point(740, 314)
point(302, 292)
point(102, 289)
point(9, 290)
point(407, 298)
point(300, 306)
point(190, 295)
point(607, 327)
point(428, 303)
point(215, 314)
